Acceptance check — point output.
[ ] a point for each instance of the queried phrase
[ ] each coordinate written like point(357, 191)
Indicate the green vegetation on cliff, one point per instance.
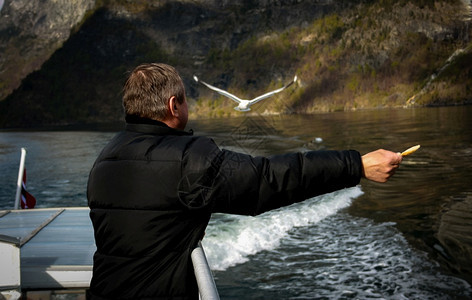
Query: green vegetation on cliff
point(368, 54)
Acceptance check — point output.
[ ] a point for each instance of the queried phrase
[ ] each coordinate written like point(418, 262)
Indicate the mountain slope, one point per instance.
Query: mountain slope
point(348, 55)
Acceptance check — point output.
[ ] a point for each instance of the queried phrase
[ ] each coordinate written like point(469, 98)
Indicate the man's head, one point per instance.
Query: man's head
point(156, 91)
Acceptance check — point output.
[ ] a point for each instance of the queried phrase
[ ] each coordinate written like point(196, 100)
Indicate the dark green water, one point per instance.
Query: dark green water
point(430, 197)
point(409, 238)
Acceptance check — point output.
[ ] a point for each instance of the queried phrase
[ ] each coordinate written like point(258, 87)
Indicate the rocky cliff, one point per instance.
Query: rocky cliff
point(30, 32)
point(64, 62)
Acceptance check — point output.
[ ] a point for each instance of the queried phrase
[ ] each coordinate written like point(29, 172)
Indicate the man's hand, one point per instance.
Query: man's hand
point(380, 165)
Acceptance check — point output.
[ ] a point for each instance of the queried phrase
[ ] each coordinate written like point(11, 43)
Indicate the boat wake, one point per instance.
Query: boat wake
point(230, 239)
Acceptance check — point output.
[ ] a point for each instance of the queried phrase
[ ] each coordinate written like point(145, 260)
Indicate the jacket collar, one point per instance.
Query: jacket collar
point(144, 125)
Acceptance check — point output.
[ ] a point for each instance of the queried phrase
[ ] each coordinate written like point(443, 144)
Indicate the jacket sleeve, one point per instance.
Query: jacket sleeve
point(231, 182)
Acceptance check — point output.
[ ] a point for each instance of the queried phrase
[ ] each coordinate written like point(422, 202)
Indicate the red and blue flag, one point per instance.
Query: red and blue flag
point(27, 200)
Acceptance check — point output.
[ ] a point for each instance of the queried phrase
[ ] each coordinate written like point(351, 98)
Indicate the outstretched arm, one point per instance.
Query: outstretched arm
point(380, 165)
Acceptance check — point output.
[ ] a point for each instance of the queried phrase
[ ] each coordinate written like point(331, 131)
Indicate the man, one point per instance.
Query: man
point(154, 187)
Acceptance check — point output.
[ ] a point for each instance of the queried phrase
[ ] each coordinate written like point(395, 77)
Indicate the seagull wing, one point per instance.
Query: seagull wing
point(219, 91)
point(266, 95)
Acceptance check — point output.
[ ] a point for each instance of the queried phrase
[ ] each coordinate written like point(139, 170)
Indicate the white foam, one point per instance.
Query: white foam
point(229, 240)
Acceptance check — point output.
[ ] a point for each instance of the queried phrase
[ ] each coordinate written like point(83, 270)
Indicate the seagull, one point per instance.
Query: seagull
point(243, 105)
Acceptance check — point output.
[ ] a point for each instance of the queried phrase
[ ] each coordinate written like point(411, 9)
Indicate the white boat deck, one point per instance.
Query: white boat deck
point(52, 248)
point(56, 247)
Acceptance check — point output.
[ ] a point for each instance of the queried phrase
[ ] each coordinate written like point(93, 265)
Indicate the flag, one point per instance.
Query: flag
point(27, 200)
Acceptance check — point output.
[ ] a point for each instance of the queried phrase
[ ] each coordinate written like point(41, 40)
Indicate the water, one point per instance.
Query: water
point(406, 239)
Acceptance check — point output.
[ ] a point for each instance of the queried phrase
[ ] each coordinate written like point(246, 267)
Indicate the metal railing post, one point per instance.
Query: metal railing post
point(21, 170)
point(206, 283)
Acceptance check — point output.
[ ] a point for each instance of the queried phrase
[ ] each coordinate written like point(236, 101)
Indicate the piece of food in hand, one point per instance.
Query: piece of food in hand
point(410, 150)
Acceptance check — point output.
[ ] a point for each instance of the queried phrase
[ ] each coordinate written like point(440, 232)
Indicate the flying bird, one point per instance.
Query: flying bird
point(243, 104)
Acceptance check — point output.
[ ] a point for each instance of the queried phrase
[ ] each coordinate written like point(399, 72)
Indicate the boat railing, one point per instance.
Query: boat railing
point(206, 283)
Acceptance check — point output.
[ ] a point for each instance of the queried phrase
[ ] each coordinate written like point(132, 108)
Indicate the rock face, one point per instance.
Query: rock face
point(64, 62)
point(30, 31)
point(111, 40)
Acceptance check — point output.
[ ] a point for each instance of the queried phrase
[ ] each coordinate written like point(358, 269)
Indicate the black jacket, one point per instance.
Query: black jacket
point(153, 188)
